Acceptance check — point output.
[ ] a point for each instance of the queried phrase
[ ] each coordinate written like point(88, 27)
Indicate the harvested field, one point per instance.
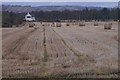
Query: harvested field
point(67, 51)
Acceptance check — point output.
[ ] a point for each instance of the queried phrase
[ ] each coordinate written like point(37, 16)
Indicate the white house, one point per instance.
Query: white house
point(29, 17)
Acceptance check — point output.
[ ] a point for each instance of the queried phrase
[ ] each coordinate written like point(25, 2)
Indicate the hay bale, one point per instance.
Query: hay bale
point(58, 24)
point(31, 24)
point(43, 24)
point(75, 23)
point(95, 24)
point(67, 24)
point(53, 24)
point(107, 26)
point(81, 24)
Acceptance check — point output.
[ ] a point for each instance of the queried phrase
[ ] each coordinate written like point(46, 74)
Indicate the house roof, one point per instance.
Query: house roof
point(28, 14)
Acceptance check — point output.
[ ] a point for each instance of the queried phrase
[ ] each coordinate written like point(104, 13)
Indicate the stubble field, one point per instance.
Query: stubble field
point(66, 51)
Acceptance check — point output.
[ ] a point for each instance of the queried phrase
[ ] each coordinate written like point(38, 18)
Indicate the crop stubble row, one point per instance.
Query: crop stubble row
point(92, 43)
point(53, 51)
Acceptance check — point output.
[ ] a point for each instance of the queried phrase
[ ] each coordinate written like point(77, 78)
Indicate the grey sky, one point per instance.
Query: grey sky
point(60, 0)
point(88, 4)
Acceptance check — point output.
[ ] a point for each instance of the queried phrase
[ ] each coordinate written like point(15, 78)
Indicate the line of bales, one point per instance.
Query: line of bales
point(58, 23)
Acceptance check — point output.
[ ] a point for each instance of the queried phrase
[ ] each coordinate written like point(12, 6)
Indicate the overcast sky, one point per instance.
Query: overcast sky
point(88, 3)
point(60, 0)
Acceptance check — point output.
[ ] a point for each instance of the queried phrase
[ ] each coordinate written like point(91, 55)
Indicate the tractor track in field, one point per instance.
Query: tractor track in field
point(5, 35)
point(86, 57)
point(85, 75)
point(76, 53)
point(71, 49)
point(17, 44)
point(44, 44)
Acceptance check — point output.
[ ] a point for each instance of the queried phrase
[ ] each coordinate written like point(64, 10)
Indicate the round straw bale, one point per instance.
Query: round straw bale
point(67, 24)
point(95, 24)
point(81, 24)
point(58, 24)
point(53, 24)
point(107, 26)
point(31, 24)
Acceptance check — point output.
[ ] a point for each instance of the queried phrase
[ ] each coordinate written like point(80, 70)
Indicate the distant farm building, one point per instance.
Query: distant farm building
point(29, 17)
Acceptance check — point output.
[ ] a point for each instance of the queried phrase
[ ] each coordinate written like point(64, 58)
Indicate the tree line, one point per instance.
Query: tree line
point(11, 18)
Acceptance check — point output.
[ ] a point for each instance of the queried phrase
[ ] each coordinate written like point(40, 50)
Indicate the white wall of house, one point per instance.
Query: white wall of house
point(29, 17)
